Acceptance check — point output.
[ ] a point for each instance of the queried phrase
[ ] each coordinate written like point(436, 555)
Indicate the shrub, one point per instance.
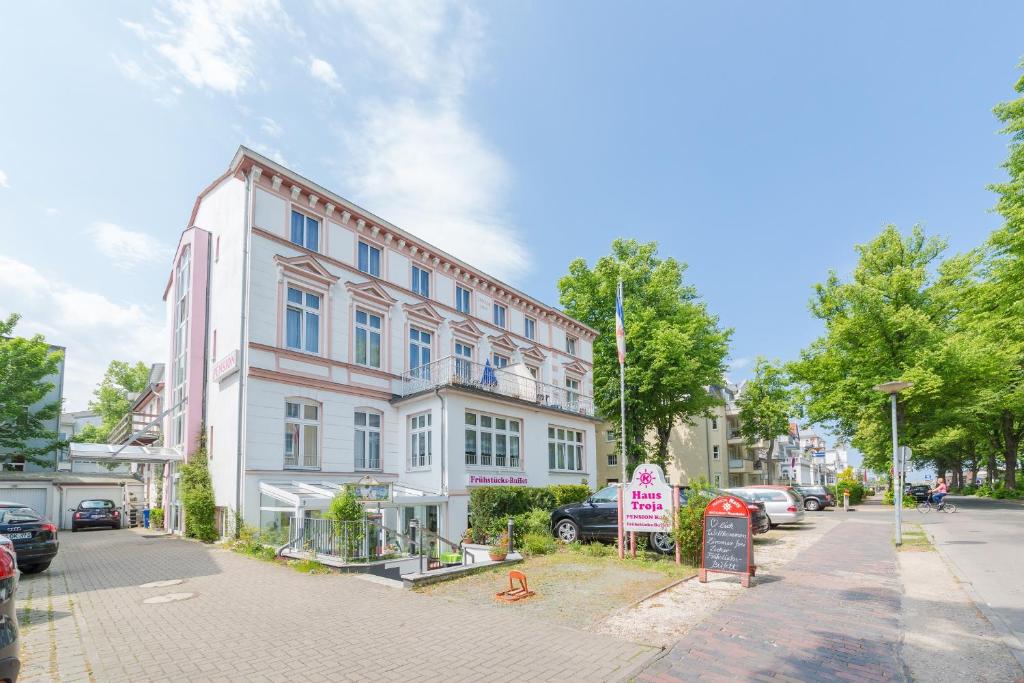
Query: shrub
point(536, 522)
point(847, 481)
point(597, 549)
point(156, 518)
point(689, 531)
point(538, 544)
point(197, 495)
point(569, 493)
point(491, 506)
point(250, 543)
point(345, 510)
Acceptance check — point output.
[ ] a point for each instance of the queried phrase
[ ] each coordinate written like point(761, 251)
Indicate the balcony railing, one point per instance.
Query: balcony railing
point(461, 372)
point(132, 423)
point(736, 463)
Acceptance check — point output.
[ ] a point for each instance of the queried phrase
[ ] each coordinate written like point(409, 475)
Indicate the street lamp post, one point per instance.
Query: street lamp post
point(894, 388)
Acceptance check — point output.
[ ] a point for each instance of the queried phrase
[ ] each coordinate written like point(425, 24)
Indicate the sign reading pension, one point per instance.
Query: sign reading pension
point(727, 544)
point(647, 501)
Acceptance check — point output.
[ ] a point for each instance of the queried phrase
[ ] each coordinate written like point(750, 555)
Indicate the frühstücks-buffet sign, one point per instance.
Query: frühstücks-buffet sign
point(727, 543)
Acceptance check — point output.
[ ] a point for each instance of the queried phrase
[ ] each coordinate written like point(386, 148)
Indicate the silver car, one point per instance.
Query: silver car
point(782, 505)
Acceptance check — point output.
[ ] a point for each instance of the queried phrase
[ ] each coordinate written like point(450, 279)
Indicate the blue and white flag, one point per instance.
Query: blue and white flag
point(620, 326)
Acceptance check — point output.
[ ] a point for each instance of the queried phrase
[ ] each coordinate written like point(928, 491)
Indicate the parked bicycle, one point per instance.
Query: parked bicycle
point(928, 506)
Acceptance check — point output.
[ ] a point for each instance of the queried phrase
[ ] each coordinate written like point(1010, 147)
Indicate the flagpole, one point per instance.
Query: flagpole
point(622, 400)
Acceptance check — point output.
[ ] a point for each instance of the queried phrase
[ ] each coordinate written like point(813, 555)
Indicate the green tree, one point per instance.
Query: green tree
point(197, 495)
point(347, 512)
point(767, 403)
point(1000, 313)
point(113, 398)
point(25, 366)
point(676, 348)
point(881, 325)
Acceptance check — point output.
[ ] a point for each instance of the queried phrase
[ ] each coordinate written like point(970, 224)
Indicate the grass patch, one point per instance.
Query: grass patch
point(915, 540)
point(309, 567)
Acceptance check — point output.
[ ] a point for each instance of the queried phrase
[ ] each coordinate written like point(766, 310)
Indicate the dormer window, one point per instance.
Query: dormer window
point(305, 231)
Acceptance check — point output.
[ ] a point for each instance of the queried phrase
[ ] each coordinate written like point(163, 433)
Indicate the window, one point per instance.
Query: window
point(499, 315)
point(570, 345)
point(463, 361)
point(714, 452)
point(609, 435)
point(529, 328)
point(421, 281)
point(534, 371)
point(302, 321)
point(305, 231)
point(714, 423)
point(420, 442)
point(369, 259)
point(367, 440)
point(301, 435)
point(613, 459)
point(368, 327)
point(565, 449)
point(462, 300)
point(608, 494)
point(572, 392)
point(500, 361)
point(492, 440)
point(718, 481)
point(419, 353)
point(182, 282)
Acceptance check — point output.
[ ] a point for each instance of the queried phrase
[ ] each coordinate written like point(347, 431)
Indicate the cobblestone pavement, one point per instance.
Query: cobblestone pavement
point(235, 618)
point(830, 615)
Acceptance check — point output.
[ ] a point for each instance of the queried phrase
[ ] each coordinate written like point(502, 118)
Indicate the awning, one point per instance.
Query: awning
point(106, 452)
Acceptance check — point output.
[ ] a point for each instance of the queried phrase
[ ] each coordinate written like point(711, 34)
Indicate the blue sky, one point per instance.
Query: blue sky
point(755, 141)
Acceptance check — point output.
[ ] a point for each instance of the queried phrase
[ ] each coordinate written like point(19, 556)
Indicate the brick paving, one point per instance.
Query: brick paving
point(832, 614)
point(85, 620)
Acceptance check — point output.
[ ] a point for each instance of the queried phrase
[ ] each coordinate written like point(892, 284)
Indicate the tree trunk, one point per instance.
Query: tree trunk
point(1011, 442)
point(958, 472)
point(664, 433)
point(990, 468)
point(768, 464)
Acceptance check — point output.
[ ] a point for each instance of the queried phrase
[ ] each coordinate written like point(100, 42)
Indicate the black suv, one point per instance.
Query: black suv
point(919, 492)
point(816, 497)
point(597, 518)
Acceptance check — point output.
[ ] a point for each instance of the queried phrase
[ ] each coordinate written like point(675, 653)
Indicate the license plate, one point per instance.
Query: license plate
point(19, 536)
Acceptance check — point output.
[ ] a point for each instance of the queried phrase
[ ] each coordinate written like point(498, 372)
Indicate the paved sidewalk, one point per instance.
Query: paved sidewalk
point(832, 614)
point(232, 618)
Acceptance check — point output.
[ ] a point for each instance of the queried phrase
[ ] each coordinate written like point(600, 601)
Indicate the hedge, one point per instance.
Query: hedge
point(491, 506)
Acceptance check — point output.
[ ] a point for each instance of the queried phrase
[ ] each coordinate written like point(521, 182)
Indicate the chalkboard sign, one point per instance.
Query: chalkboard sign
point(727, 541)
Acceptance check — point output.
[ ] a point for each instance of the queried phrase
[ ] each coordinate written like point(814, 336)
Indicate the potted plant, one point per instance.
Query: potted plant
point(499, 548)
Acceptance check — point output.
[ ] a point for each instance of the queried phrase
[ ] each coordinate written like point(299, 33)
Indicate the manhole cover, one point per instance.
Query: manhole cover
point(170, 597)
point(161, 584)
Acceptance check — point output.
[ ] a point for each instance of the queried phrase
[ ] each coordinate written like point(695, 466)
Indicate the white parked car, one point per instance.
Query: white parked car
point(783, 505)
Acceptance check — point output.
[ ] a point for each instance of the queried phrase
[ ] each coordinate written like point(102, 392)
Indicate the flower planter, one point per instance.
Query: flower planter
point(496, 555)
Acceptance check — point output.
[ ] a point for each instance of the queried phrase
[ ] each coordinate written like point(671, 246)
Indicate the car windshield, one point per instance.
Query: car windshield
point(96, 504)
point(17, 515)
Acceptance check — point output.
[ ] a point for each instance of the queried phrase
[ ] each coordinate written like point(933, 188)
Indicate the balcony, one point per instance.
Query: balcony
point(132, 423)
point(736, 463)
point(513, 382)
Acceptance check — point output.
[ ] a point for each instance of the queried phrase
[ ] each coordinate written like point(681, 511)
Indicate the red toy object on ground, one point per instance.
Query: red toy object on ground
point(514, 594)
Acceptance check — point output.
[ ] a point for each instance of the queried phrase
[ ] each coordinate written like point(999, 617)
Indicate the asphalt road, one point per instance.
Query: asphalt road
point(985, 543)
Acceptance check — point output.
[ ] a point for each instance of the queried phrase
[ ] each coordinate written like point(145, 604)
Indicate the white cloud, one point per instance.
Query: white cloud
point(208, 43)
point(269, 126)
point(739, 363)
point(323, 71)
point(3, 179)
point(415, 158)
point(51, 211)
point(93, 328)
point(126, 248)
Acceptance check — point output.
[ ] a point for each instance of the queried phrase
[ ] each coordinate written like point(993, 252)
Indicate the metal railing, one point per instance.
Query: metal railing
point(455, 371)
point(131, 423)
point(736, 463)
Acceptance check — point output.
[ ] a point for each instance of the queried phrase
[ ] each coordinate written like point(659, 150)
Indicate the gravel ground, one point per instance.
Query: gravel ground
point(664, 618)
point(572, 589)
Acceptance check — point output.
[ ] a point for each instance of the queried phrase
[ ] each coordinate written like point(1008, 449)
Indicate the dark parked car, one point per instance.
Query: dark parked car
point(10, 663)
point(919, 492)
point(34, 537)
point(816, 497)
point(96, 513)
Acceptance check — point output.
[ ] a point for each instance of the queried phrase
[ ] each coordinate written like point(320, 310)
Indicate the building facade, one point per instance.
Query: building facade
point(317, 345)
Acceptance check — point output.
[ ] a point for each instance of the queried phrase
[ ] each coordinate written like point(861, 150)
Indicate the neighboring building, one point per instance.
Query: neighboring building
point(746, 467)
point(609, 456)
point(13, 462)
point(699, 449)
point(71, 424)
point(319, 345)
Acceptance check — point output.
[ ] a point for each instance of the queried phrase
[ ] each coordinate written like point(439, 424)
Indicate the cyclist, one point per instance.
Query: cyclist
point(939, 492)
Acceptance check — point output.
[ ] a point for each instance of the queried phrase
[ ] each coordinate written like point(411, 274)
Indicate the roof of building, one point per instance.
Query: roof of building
point(68, 478)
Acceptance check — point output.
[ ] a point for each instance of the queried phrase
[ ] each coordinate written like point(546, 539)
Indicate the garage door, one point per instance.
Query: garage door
point(34, 498)
point(73, 495)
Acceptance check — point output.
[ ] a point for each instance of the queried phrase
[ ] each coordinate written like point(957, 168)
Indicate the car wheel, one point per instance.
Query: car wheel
point(663, 542)
point(34, 568)
point(812, 504)
point(567, 531)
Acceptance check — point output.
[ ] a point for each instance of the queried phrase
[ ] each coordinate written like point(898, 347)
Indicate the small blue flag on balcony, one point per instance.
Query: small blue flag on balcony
point(489, 379)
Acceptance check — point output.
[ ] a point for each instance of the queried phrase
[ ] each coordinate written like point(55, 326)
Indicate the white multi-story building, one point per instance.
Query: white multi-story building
point(318, 345)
